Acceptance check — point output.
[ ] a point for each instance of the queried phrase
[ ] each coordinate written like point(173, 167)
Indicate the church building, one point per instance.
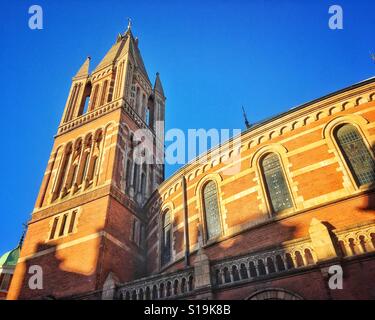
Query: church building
point(273, 213)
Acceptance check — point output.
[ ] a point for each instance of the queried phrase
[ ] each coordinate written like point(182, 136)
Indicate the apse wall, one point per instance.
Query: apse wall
point(261, 189)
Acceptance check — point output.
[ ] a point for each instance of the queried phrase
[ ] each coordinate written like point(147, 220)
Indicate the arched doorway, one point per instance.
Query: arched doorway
point(274, 294)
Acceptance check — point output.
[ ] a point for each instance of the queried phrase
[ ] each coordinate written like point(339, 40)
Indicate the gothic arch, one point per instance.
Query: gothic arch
point(212, 176)
point(62, 169)
point(217, 179)
point(274, 294)
point(354, 119)
point(169, 206)
point(278, 148)
point(328, 133)
point(255, 164)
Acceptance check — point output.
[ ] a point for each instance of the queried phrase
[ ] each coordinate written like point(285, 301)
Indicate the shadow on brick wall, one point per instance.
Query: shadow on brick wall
point(46, 278)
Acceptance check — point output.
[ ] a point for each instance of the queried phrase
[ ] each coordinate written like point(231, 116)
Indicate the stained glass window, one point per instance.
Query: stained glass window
point(356, 154)
point(277, 188)
point(211, 207)
point(166, 241)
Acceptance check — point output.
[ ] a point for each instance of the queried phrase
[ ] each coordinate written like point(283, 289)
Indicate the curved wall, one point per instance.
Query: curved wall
point(317, 176)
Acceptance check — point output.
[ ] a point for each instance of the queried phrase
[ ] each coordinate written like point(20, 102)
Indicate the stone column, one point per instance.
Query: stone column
point(109, 287)
point(321, 241)
point(202, 276)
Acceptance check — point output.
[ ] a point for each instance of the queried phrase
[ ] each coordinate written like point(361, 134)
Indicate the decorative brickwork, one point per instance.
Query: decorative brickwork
point(299, 202)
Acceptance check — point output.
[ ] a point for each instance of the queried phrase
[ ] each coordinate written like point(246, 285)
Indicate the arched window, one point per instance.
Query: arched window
point(277, 189)
point(94, 97)
point(128, 173)
point(356, 154)
point(85, 104)
point(85, 99)
point(150, 113)
point(211, 210)
point(166, 238)
point(135, 177)
point(93, 165)
point(63, 224)
point(54, 227)
point(143, 185)
point(137, 100)
point(147, 119)
point(104, 92)
point(84, 162)
point(142, 235)
point(72, 102)
point(72, 175)
point(63, 171)
point(143, 107)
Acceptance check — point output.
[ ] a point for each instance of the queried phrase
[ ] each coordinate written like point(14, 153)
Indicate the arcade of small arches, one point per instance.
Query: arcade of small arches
point(79, 165)
point(147, 106)
point(90, 99)
point(161, 290)
point(288, 259)
point(273, 262)
point(93, 93)
point(137, 174)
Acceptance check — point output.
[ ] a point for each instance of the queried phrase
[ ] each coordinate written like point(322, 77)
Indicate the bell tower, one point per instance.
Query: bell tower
point(87, 224)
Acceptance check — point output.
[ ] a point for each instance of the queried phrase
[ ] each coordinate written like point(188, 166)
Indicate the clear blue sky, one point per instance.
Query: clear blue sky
point(213, 57)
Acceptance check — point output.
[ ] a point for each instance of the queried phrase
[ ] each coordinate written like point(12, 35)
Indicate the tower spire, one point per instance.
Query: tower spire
point(84, 70)
point(158, 86)
point(247, 123)
point(129, 24)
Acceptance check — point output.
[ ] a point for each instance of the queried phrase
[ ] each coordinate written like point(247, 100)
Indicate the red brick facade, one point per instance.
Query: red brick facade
point(116, 234)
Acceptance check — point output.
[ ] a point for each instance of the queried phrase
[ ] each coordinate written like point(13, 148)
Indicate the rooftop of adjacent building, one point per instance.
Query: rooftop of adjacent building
point(10, 258)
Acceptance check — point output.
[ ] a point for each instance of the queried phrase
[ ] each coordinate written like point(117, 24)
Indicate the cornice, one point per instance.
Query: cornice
point(83, 198)
point(100, 112)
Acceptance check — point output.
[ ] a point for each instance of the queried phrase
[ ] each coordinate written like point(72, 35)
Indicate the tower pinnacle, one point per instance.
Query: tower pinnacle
point(158, 86)
point(84, 70)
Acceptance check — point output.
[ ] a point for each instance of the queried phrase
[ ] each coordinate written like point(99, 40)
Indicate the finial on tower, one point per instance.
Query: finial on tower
point(129, 24)
point(247, 123)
